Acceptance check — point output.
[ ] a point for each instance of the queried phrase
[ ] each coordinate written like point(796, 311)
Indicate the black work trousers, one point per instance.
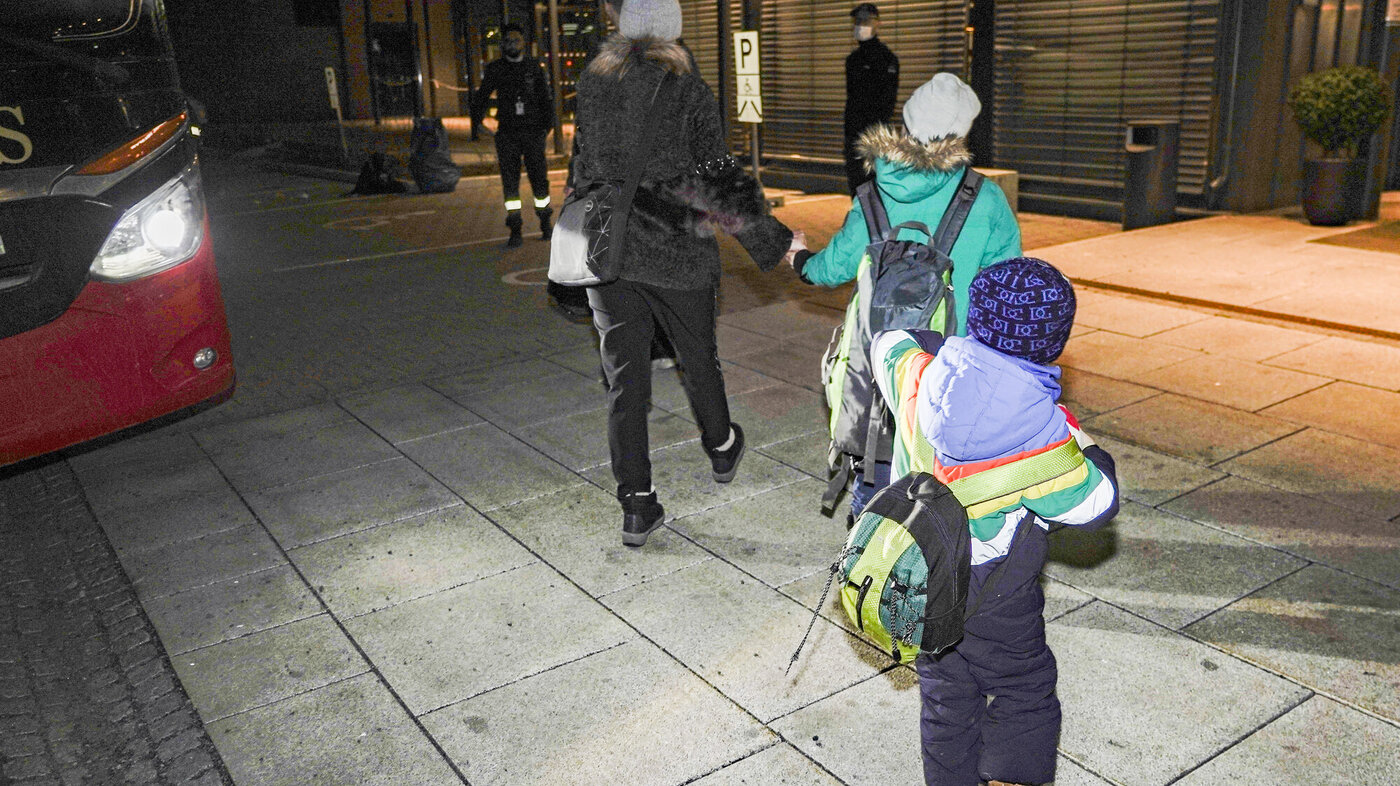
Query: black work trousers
point(513, 145)
point(855, 165)
point(626, 314)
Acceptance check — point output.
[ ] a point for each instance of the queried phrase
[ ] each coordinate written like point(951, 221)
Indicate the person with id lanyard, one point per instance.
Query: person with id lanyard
point(524, 117)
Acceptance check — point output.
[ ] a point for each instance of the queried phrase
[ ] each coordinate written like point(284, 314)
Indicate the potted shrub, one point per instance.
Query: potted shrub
point(1338, 109)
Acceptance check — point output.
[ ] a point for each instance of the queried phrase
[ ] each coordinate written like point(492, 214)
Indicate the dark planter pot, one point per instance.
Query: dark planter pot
point(1332, 190)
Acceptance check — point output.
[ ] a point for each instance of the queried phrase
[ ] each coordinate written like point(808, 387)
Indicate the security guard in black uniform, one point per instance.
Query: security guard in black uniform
point(872, 83)
point(524, 117)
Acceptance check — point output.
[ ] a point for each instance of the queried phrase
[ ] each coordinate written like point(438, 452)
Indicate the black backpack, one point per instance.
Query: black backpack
point(902, 287)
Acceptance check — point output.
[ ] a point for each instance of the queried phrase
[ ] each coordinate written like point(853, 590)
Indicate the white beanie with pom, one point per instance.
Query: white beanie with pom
point(655, 19)
point(942, 106)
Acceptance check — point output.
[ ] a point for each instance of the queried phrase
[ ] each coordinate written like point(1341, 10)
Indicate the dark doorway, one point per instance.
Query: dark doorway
point(391, 63)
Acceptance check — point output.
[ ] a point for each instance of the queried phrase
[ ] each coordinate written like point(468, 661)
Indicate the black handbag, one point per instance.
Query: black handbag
point(585, 248)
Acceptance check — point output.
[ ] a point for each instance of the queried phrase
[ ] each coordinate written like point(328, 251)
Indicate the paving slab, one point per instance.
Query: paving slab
point(1146, 705)
point(480, 381)
point(1366, 545)
point(380, 567)
point(784, 318)
point(629, 715)
point(1333, 632)
point(1088, 394)
point(261, 462)
point(488, 467)
point(835, 731)
point(583, 359)
point(347, 732)
point(1068, 773)
point(776, 413)
point(779, 765)
point(1197, 431)
point(1359, 476)
point(739, 635)
point(580, 441)
point(1163, 567)
point(271, 426)
point(548, 396)
point(1372, 363)
point(735, 342)
point(777, 536)
point(188, 564)
point(1235, 383)
point(1118, 356)
point(1359, 750)
point(1346, 408)
point(793, 363)
point(686, 485)
point(578, 531)
point(1237, 337)
point(1061, 598)
point(348, 501)
point(1149, 477)
point(1130, 316)
point(229, 609)
point(86, 460)
point(455, 644)
point(161, 522)
point(807, 453)
point(408, 412)
point(147, 484)
point(268, 666)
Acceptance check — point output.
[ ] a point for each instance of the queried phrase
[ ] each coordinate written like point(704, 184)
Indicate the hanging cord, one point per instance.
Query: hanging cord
point(846, 551)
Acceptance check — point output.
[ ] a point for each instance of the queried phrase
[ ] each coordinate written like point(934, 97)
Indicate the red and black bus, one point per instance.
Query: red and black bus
point(110, 308)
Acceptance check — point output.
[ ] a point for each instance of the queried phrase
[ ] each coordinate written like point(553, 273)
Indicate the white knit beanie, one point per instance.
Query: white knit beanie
point(658, 19)
point(942, 106)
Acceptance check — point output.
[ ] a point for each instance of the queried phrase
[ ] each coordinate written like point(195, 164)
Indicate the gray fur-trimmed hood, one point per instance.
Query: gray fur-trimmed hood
point(619, 53)
point(941, 155)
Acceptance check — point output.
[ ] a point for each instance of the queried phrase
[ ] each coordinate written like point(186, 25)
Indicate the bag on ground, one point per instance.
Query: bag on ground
point(429, 157)
point(900, 284)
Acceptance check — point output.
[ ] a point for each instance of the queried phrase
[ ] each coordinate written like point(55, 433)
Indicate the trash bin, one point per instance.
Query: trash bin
point(1149, 188)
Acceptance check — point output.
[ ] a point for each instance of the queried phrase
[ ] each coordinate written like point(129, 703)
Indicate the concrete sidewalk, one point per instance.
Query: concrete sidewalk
point(418, 578)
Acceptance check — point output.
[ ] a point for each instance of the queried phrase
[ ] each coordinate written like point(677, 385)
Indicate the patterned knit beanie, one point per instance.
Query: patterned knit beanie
point(1022, 307)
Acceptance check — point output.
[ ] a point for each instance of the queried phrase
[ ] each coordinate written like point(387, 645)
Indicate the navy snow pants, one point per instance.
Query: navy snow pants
point(1002, 657)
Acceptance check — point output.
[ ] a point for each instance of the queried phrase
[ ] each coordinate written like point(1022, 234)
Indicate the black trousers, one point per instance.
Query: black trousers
point(855, 165)
point(513, 145)
point(626, 315)
point(968, 739)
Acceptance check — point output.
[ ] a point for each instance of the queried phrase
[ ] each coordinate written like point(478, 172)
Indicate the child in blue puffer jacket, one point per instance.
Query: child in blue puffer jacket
point(982, 403)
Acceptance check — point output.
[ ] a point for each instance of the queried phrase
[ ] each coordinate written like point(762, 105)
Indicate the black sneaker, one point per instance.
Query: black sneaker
point(641, 515)
point(515, 239)
point(725, 463)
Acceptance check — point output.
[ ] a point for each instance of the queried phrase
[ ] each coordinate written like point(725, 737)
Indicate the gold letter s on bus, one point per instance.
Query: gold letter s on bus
point(26, 146)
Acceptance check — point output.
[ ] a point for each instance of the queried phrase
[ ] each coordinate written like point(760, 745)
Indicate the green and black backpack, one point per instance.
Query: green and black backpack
point(900, 284)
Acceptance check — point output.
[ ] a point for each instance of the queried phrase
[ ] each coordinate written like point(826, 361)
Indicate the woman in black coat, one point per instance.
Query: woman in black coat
point(670, 261)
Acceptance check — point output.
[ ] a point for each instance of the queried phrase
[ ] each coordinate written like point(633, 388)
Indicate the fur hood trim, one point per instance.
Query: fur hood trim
point(941, 155)
point(618, 53)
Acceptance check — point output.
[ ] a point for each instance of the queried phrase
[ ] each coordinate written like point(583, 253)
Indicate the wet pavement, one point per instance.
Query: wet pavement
point(393, 557)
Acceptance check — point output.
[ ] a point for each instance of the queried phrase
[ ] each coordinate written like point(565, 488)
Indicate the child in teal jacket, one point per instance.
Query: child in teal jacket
point(917, 172)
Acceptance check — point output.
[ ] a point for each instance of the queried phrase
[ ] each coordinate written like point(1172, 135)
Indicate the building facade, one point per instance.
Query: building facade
point(1060, 80)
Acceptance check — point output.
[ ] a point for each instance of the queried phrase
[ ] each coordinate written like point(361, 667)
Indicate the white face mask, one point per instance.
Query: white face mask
point(864, 32)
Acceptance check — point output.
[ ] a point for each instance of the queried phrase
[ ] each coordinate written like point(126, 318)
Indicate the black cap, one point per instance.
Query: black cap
point(865, 10)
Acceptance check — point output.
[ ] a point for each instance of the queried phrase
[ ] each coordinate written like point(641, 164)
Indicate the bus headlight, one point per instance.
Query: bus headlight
point(157, 233)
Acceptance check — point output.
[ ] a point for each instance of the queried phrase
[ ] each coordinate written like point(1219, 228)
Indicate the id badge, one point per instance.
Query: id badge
point(519, 107)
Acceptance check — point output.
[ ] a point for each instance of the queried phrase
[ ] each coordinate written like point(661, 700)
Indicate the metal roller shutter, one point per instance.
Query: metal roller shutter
point(1071, 73)
point(804, 46)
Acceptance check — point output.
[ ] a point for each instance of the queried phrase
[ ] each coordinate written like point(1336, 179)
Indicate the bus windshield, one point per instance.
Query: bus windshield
point(106, 62)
